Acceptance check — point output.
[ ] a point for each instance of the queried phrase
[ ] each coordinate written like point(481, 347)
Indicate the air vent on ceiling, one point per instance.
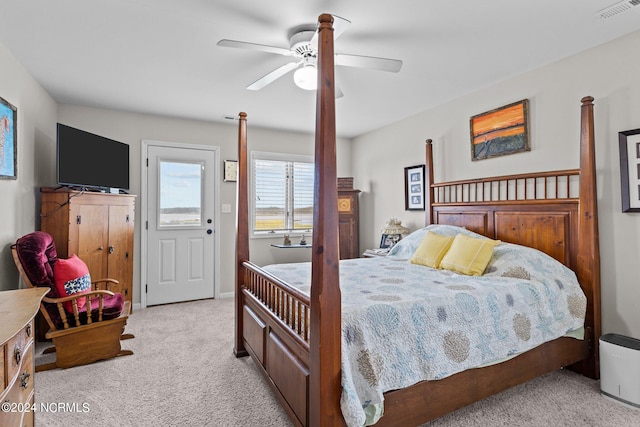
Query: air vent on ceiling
point(616, 8)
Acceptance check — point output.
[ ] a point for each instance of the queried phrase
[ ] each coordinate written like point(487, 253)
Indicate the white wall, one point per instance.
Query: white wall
point(36, 129)
point(132, 128)
point(609, 73)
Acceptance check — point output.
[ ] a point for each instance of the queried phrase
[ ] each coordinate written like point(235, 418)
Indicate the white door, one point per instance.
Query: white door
point(181, 236)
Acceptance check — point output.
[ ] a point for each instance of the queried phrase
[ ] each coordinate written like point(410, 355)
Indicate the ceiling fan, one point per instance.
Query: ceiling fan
point(303, 48)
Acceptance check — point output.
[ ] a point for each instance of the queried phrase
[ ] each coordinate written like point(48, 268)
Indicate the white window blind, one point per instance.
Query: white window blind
point(283, 193)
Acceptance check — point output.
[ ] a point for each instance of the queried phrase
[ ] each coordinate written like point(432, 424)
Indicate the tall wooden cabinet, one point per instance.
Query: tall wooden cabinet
point(348, 223)
point(97, 227)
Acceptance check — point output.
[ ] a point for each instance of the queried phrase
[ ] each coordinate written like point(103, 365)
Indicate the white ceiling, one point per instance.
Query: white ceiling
point(160, 56)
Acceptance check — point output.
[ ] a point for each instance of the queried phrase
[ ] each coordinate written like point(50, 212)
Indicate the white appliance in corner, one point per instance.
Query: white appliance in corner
point(620, 368)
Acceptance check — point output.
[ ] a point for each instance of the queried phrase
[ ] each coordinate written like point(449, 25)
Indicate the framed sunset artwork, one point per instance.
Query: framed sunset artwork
point(501, 131)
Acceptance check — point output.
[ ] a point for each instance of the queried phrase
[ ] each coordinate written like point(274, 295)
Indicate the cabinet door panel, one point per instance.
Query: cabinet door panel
point(120, 220)
point(348, 223)
point(345, 230)
point(92, 238)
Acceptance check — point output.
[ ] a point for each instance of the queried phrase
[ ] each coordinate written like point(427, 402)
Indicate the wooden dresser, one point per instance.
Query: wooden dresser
point(17, 310)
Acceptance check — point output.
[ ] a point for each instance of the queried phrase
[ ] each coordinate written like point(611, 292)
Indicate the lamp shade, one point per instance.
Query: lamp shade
point(394, 226)
point(306, 77)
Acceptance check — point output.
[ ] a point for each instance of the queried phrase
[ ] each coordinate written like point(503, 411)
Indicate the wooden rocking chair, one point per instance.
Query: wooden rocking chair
point(92, 329)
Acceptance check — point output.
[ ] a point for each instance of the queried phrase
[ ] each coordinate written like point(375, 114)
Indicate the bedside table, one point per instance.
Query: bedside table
point(374, 253)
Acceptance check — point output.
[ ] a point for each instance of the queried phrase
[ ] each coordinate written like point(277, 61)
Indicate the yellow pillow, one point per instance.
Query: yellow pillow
point(432, 249)
point(469, 255)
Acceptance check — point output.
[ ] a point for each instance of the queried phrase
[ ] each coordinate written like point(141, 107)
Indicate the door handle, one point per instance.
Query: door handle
point(209, 231)
point(111, 249)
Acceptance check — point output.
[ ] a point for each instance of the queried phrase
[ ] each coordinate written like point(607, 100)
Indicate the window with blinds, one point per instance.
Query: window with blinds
point(283, 193)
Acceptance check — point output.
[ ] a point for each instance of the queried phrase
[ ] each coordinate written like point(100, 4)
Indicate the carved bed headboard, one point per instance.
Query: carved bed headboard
point(536, 210)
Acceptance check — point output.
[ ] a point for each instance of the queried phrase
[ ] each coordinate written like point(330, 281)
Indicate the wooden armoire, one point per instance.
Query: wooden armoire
point(97, 227)
point(348, 223)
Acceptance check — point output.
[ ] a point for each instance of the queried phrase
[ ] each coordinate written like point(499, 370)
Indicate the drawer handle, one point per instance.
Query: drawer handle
point(17, 355)
point(24, 379)
point(28, 329)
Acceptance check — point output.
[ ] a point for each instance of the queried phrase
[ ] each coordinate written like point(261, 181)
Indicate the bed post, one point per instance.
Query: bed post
point(588, 257)
point(325, 339)
point(242, 232)
point(428, 188)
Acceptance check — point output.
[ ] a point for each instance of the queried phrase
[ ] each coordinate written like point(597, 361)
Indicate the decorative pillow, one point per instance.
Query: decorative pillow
point(468, 255)
point(71, 277)
point(432, 249)
point(406, 247)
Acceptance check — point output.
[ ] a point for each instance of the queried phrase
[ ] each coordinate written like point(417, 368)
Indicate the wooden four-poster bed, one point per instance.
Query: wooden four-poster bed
point(294, 337)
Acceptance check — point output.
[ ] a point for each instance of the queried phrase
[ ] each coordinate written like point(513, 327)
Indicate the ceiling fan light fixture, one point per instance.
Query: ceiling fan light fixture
point(303, 51)
point(306, 77)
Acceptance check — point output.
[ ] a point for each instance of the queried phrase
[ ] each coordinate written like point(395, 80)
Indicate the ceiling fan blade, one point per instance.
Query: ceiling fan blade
point(339, 26)
point(273, 76)
point(382, 64)
point(254, 46)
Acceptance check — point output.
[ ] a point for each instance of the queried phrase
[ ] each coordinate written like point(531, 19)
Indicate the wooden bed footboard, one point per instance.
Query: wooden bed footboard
point(289, 306)
point(276, 334)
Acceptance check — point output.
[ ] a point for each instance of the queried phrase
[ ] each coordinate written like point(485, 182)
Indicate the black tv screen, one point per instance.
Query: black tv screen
point(88, 160)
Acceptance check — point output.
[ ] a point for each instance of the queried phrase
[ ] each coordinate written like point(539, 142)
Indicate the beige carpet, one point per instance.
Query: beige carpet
point(183, 373)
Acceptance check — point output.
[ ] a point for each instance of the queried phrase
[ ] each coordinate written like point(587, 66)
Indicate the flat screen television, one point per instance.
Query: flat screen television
point(87, 160)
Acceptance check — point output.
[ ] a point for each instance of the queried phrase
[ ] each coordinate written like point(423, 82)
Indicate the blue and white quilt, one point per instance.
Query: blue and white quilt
point(404, 323)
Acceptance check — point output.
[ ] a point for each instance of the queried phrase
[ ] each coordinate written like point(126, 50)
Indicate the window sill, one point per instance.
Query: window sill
point(280, 234)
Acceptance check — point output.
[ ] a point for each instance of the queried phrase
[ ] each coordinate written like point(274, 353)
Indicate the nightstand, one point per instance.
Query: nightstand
point(374, 253)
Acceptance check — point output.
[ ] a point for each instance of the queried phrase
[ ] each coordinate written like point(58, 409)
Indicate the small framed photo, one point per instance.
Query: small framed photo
point(389, 240)
point(230, 170)
point(8, 140)
point(414, 188)
point(629, 142)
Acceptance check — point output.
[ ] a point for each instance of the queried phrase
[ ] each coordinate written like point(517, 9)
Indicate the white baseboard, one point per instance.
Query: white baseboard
point(138, 306)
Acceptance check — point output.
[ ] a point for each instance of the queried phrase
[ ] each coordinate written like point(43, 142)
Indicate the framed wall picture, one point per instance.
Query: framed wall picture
point(501, 131)
point(389, 240)
point(629, 143)
point(414, 188)
point(230, 170)
point(8, 141)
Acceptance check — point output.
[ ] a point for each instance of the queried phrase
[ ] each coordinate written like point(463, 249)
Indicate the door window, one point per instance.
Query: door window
point(180, 194)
